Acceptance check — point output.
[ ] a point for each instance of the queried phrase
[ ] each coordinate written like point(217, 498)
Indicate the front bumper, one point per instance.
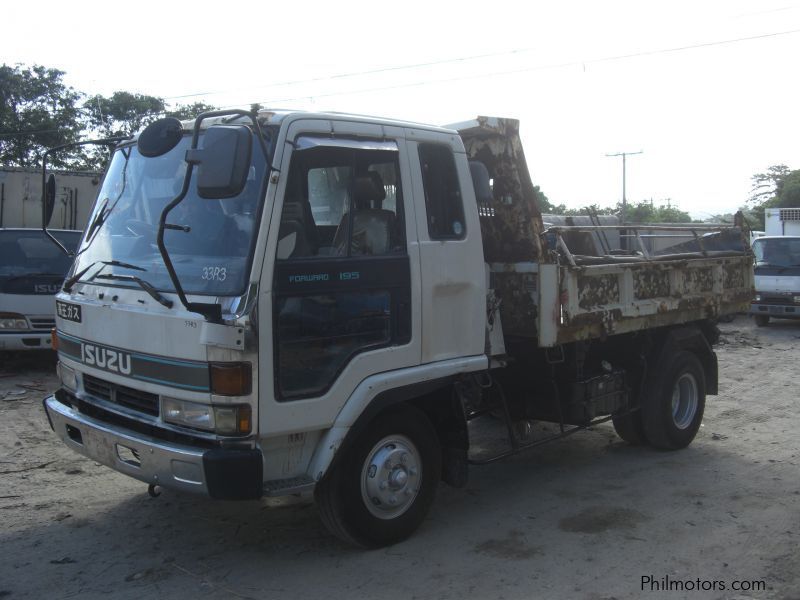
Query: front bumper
point(25, 340)
point(780, 311)
point(225, 474)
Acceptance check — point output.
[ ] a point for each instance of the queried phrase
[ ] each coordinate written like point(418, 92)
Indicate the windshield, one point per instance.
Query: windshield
point(211, 258)
point(28, 253)
point(777, 252)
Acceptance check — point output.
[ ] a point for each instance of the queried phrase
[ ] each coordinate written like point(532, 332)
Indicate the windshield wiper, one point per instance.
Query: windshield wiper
point(99, 218)
point(67, 287)
point(142, 284)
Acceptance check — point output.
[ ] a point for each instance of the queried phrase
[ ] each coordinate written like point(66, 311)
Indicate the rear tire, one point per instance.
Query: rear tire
point(762, 320)
point(381, 489)
point(630, 428)
point(674, 401)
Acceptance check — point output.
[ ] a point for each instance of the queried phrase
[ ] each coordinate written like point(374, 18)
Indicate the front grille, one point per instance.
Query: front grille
point(119, 394)
point(46, 323)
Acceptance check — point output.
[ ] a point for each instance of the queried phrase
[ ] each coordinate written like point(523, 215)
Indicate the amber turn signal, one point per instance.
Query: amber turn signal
point(244, 415)
point(54, 339)
point(231, 379)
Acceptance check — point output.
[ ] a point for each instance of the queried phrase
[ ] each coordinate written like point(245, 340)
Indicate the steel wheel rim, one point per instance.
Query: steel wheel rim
point(684, 401)
point(390, 477)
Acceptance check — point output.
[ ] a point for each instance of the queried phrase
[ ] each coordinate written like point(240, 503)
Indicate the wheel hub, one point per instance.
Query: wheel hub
point(390, 477)
point(684, 401)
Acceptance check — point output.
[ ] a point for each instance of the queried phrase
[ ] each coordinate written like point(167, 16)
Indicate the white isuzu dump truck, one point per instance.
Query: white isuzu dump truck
point(272, 303)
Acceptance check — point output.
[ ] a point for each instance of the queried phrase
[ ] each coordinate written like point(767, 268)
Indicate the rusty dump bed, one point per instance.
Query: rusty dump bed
point(569, 283)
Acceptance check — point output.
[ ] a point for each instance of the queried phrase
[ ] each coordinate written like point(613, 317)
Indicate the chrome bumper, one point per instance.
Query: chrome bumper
point(141, 457)
point(30, 340)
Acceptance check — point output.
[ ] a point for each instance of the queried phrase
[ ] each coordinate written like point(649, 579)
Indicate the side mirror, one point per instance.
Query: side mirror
point(49, 200)
point(160, 137)
point(223, 162)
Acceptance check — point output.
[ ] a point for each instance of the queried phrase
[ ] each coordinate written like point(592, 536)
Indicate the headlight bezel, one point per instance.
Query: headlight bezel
point(13, 322)
point(226, 419)
point(68, 376)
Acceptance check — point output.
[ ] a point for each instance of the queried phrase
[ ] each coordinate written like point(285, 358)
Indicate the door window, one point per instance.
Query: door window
point(342, 202)
point(443, 201)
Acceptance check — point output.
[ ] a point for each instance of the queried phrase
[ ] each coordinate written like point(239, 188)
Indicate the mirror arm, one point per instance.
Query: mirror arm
point(234, 112)
point(212, 312)
point(110, 141)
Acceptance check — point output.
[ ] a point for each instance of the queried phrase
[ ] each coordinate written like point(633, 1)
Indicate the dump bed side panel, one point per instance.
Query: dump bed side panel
point(611, 299)
point(570, 283)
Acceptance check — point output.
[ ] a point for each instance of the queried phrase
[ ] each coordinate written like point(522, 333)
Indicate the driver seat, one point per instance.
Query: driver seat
point(372, 225)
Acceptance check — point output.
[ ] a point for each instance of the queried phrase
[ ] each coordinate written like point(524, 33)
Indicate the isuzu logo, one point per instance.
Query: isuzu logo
point(45, 288)
point(106, 358)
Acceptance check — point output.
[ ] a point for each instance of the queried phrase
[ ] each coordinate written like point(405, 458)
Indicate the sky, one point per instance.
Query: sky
point(707, 90)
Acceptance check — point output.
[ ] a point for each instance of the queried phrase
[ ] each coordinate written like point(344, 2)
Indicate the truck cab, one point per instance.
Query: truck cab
point(777, 279)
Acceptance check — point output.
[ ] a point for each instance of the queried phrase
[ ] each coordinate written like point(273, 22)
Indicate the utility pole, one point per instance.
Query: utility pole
point(624, 156)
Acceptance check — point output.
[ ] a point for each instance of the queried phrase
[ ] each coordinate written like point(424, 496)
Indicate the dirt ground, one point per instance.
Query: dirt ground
point(584, 518)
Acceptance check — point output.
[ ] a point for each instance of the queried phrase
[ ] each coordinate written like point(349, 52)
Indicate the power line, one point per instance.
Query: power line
point(567, 64)
point(348, 75)
point(573, 63)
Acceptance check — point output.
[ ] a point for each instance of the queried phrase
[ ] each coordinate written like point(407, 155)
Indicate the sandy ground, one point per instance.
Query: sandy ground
point(586, 518)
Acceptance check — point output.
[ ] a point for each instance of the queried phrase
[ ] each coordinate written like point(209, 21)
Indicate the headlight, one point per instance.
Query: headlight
point(797, 299)
point(224, 420)
point(757, 298)
point(68, 377)
point(9, 321)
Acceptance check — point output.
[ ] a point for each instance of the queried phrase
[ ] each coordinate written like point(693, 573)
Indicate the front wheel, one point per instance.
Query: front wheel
point(762, 320)
point(381, 489)
point(675, 399)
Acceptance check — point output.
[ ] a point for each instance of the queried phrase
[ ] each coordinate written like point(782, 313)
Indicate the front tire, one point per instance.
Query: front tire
point(762, 320)
point(674, 401)
point(380, 491)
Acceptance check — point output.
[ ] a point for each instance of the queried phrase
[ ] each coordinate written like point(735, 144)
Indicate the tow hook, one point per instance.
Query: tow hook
point(153, 490)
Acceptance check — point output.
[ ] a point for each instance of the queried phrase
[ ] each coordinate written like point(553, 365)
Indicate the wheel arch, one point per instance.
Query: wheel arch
point(696, 339)
point(431, 389)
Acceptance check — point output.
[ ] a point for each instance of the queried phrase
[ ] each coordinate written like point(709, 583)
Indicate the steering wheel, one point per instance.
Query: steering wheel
point(139, 228)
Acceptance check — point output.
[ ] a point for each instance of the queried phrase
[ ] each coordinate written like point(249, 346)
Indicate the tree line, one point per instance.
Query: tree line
point(777, 187)
point(39, 111)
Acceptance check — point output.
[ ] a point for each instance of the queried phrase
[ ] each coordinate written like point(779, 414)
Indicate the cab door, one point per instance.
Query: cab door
point(453, 287)
point(344, 294)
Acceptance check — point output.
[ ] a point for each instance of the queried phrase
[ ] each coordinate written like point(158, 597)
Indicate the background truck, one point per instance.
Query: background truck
point(286, 302)
point(777, 271)
point(31, 267)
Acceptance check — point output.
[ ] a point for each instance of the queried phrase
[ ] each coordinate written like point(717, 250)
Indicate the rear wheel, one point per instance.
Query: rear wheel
point(675, 399)
point(762, 320)
point(381, 489)
point(630, 428)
